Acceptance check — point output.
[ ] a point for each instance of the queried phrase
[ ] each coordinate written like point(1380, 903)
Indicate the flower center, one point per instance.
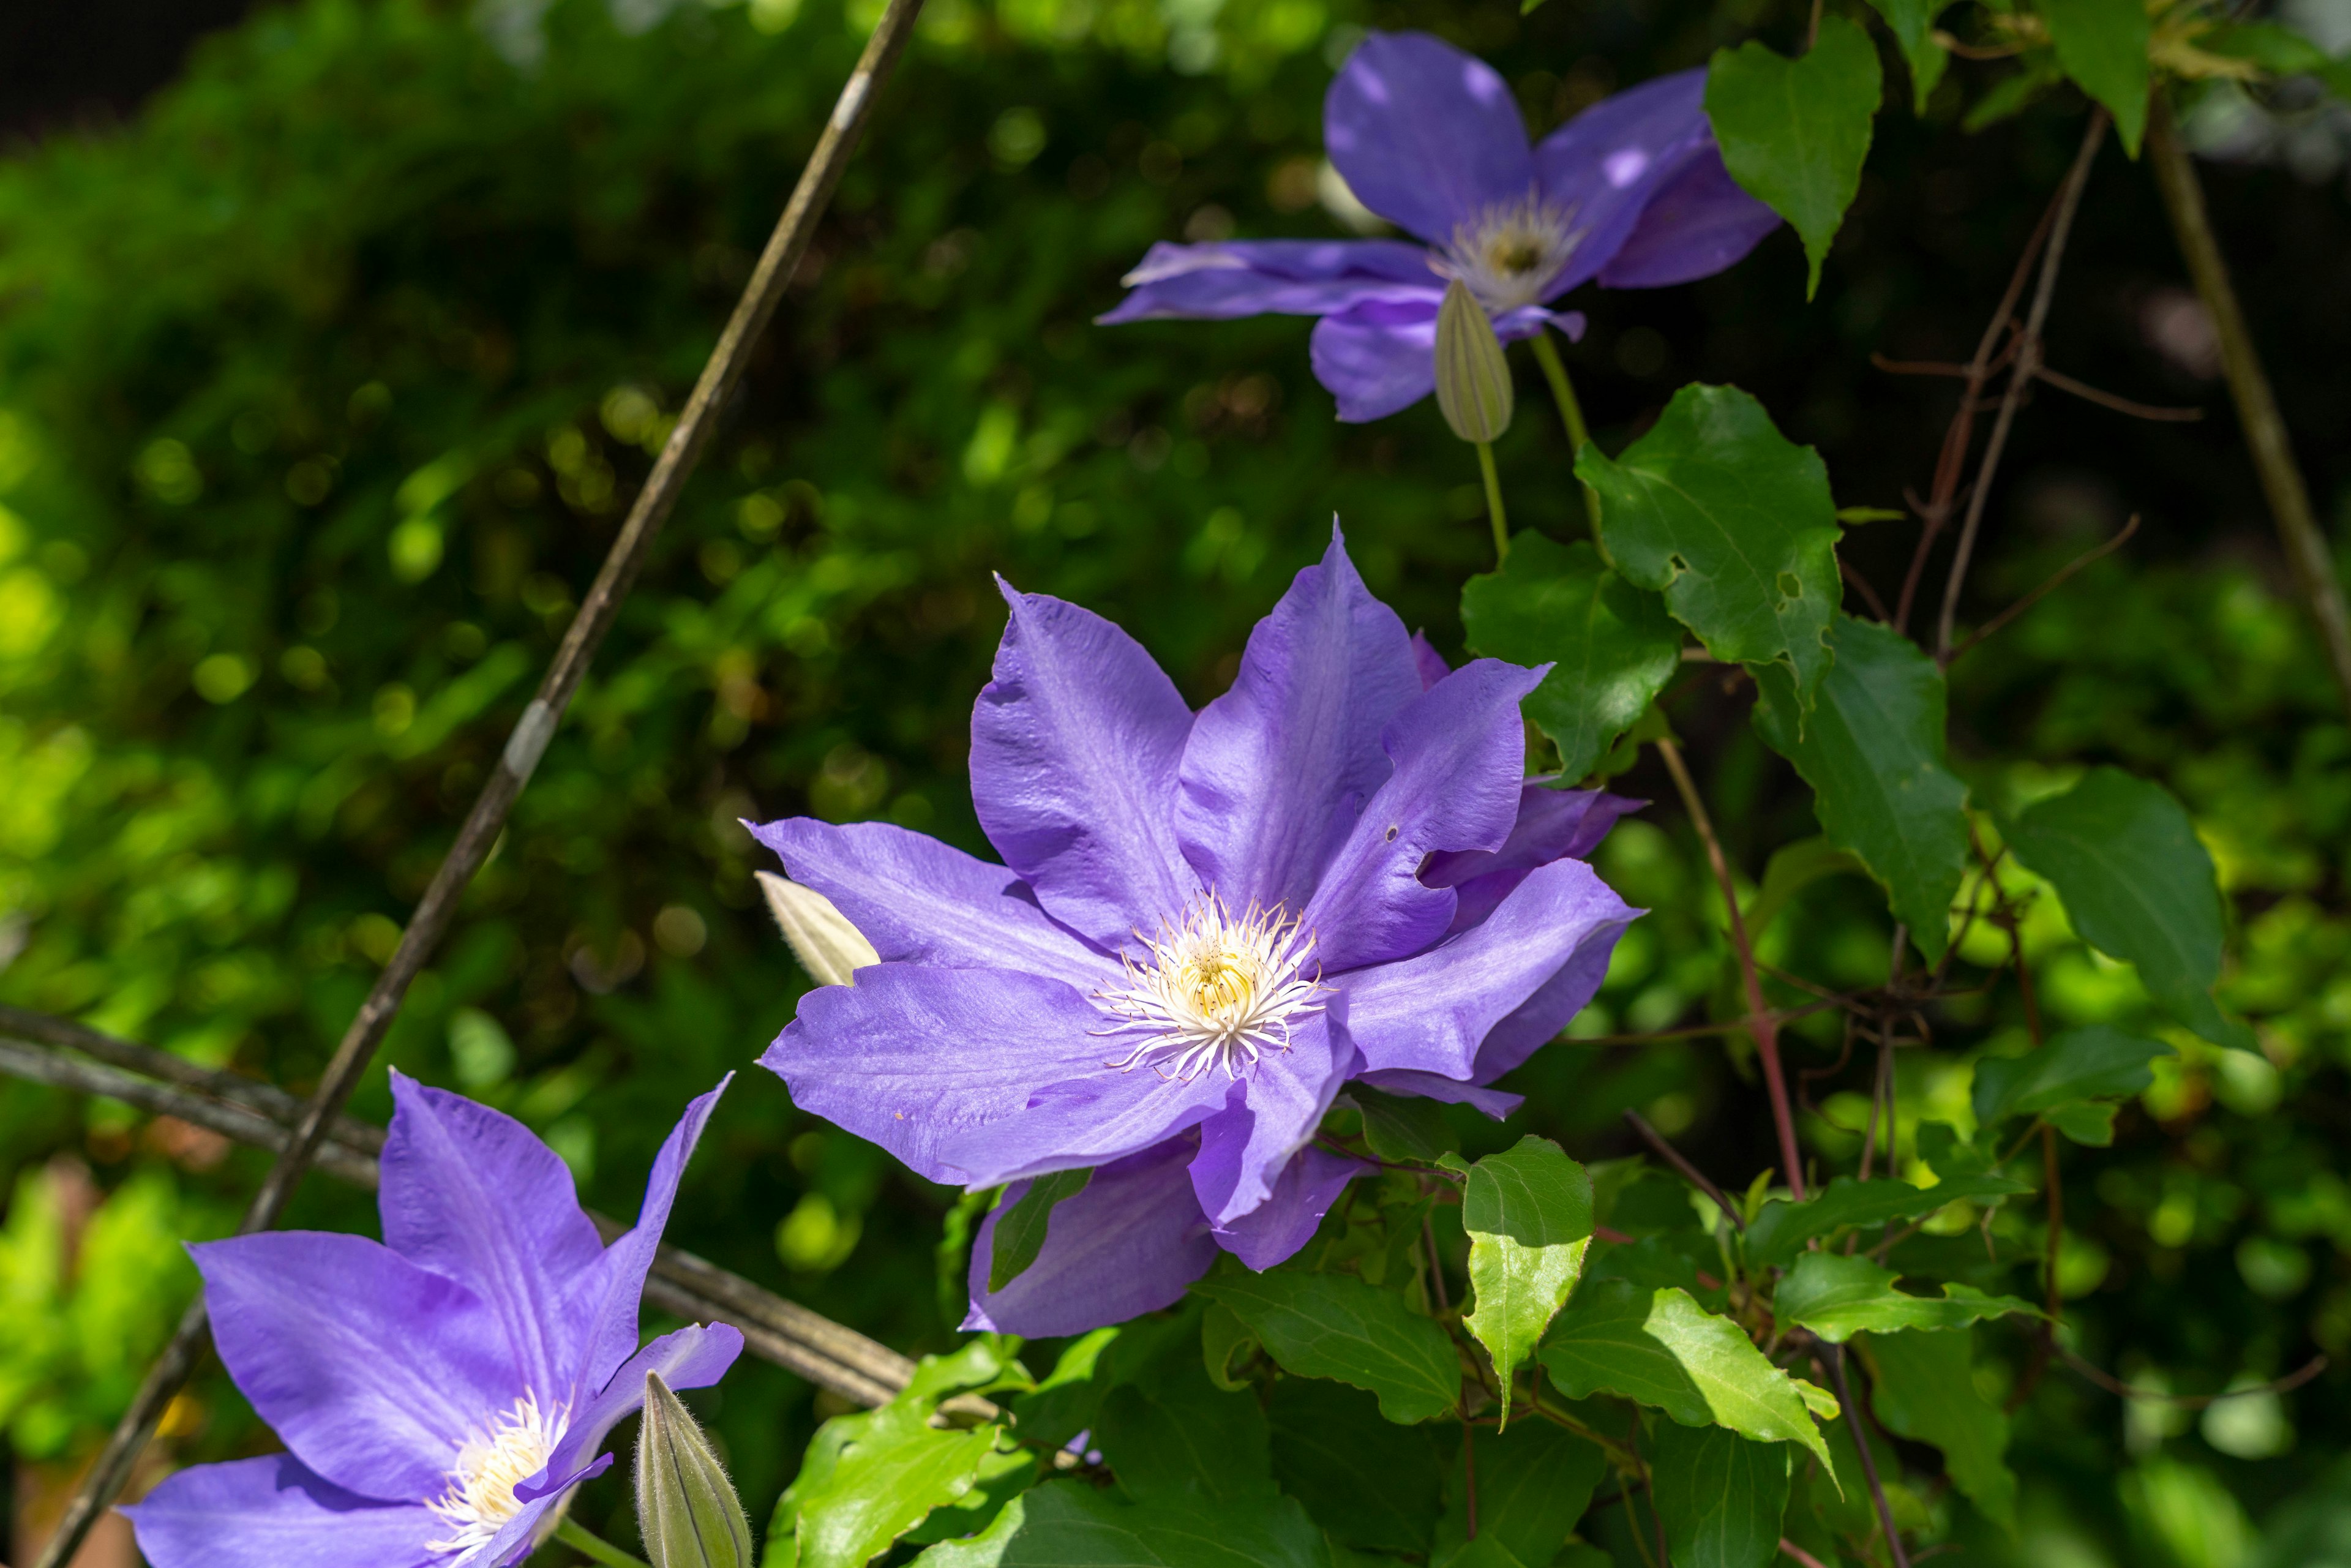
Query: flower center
point(480, 1499)
point(1509, 253)
point(1217, 989)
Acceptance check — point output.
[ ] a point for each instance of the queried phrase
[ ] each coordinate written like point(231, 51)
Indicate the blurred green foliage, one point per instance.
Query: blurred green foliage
point(323, 387)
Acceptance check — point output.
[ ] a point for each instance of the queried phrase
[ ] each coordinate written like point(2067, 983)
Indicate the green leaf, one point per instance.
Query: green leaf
point(1534, 1483)
point(1370, 1483)
point(1612, 646)
point(1721, 1496)
point(1336, 1327)
point(1020, 1232)
point(2093, 1062)
point(2012, 94)
point(1177, 1432)
point(1225, 1339)
point(1741, 1387)
point(1528, 1211)
point(1003, 1475)
point(1403, 1128)
point(870, 1478)
point(1068, 1524)
point(2139, 887)
point(1924, 1387)
point(1733, 523)
point(1873, 752)
point(1794, 132)
point(1069, 1398)
point(1912, 23)
point(1783, 1228)
point(1792, 869)
point(1600, 1345)
point(2103, 46)
point(1837, 1296)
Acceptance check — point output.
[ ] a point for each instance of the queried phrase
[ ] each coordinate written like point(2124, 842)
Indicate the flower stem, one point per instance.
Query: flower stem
point(1570, 412)
point(1494, 502)
point(576, 1536)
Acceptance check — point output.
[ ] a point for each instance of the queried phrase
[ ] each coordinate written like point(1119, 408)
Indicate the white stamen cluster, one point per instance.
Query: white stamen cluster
point(1509, 253)
point(481, 1496)
point(1217, 989)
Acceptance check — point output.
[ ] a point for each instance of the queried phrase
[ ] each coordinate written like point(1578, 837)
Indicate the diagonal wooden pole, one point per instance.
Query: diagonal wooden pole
point(524, 746)
point(2306, 552)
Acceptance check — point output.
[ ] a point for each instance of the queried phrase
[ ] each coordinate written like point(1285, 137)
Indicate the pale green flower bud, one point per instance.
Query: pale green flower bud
point(828, 947)
point(686, 1509)
point(1473, 382)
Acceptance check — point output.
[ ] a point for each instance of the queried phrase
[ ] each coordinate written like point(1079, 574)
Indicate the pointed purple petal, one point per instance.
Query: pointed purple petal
point(694, 1357)
point(1431, 1013)
point(1427, 136)
point(1266, 1119)
point(606, 1298)
point(1253, 277)
point(1429, 1086)
point(1552, 824)
point(472, 1193)
point(1537, 1021)
point(1607, 163)
point(1126, 1245)
point(372, 1369)
point(920, 901)
point(972, 1076)
point(270, 1512)
point(1459, 751)
point(1274, 1231)
point(1279, 767)
point(1074, 746)
point(1699, 224)
point(1430, 663)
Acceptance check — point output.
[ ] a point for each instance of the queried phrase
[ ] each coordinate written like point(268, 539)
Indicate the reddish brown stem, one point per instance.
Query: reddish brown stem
point(1761, 1022)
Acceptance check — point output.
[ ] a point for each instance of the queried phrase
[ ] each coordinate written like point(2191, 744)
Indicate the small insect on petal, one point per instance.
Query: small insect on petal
point(1473, 379)
point(687, 1512)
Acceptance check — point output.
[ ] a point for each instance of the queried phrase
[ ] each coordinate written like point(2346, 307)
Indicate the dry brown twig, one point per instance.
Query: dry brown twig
point(728, 360)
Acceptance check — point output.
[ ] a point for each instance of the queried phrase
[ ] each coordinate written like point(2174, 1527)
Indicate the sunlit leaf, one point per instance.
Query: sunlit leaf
point(1528, 1211)
point(1742, 1389)
point(1837, 1296)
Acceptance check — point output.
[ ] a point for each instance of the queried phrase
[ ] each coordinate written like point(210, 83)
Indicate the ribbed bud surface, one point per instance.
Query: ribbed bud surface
point(1473, 381)
point(686, 1509)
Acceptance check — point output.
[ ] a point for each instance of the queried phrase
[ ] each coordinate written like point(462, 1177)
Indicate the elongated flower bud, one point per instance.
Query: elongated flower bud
point(1473, 381)
point(828, 947)
point(686, 1509)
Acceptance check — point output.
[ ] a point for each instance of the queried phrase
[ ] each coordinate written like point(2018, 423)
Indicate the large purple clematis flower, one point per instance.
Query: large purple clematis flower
point(1205, 925)
point(439, 1395)
point(1631, 192)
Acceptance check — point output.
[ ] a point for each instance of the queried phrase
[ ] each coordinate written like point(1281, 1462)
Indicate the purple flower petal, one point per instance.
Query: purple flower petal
point(471, 1194)
point(1274, 1231)
point(1266, 1119)
point(1431, 663)
point(370, 1367)
point(271, 1512)
point(606, 1296)
point(969, 1075)
point(1607, 163)
point(694, 1357)
point(1699, 224)
point(1427, 136)
point(1255, 277)
point(1074, 746)
point(920, 901)
point(1127, 1244)
point(1381, 356)
point(1429, 1086)
point(1459, 751)
point(1431, 1013)
point(1552, 823)
point(1537, 1021)
point(1279, 767)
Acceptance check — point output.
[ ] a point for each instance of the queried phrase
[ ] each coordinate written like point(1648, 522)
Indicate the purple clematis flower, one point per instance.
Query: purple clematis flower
point(440, 1394)
point(1631, 192)
point(1204, 927)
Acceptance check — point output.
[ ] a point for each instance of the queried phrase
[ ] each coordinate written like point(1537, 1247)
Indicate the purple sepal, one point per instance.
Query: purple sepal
point(1428, 660)
point(1494, 1103)
point(1537, 1021)
point(1127, 1244)
point(1700, 223)
point(1425, 136)
point(1244, 1146)
point(1274, 1231)
point(1264, 277)
point(694, 1357)
point(1552, 824)
point(272, 1513)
